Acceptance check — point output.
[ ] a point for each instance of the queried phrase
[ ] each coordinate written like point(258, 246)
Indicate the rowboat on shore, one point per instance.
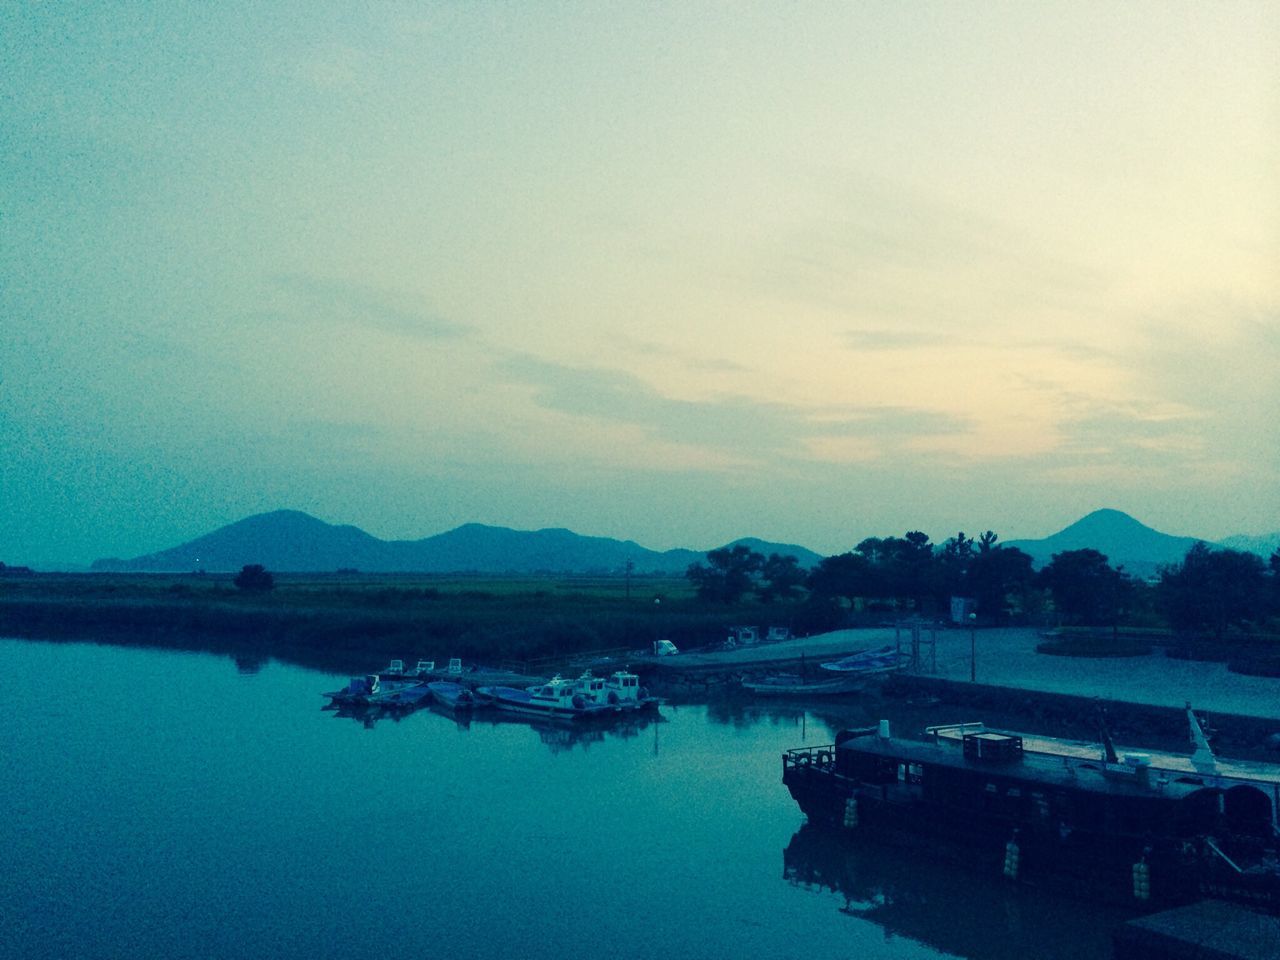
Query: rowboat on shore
point(791, 685)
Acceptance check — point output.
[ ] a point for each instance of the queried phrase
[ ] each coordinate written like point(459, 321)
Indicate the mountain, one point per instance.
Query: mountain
point(289, 540)
point(1264, 545)
point(1121, 538)
point(808, 559)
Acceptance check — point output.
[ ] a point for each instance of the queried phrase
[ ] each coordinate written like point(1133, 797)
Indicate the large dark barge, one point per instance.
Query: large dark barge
point(1147, 827)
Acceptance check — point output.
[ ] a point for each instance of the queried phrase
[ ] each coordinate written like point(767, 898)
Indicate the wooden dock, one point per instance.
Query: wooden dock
point(1208, 930)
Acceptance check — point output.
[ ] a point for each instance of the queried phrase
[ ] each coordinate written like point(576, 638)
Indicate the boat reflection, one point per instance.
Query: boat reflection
point(560, 735)
point(367, 715)
point(919, 893)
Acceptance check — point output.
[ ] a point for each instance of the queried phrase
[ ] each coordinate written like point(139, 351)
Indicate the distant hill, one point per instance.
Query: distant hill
point(292, 541)
point(1264, 545)
point(1124, 541)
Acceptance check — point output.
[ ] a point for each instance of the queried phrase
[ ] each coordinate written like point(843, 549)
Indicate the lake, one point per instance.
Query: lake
point(170, 804)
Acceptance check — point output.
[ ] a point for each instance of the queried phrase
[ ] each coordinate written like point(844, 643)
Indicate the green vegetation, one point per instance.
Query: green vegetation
point(353, 619)
point(1212, 597)
point(1216, 604)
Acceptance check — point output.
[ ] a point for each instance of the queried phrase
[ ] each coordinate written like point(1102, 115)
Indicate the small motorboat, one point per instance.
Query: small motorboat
point(867, 662)
point(790, 685)
point(400, 697)
point(452, 696)
point(357, 692)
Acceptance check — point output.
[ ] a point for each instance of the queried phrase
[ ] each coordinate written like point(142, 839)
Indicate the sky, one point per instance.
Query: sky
point(677, 273)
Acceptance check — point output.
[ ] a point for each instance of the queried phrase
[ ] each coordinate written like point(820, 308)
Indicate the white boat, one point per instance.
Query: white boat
point(790, 685)
point(555, 698)
point(623, 689)
point(395, 670)
point(867, 662)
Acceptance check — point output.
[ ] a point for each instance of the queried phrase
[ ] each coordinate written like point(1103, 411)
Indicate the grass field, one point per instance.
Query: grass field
point(354, 619)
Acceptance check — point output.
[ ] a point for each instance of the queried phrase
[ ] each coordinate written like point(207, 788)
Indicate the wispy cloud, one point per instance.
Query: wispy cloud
point(348, 302)
point(748, 427)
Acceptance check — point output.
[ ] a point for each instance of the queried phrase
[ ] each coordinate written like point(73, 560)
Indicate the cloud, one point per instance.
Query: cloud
point(660, 351)
point(750, 428)
point(880, 250)
point(348, 302)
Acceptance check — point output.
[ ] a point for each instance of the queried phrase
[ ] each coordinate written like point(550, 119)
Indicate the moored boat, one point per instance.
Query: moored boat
point(452, 696)
point(791, 685)
point(357, 691)
point(555, 698)
point(620, 691)
point(622, 688)
point(1140, 826)
point(400, 696)
point(867, 662)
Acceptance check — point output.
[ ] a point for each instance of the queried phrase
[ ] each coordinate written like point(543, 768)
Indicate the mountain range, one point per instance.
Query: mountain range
point(289, 540)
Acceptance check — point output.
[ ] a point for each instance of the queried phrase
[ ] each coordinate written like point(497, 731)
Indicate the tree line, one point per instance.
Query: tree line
point(1211, 591)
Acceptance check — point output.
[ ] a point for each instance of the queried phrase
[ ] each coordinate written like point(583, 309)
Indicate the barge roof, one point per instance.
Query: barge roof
point(1162, 760)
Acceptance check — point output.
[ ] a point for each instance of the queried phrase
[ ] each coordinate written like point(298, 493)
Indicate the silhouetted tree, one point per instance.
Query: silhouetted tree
point(728, 573)
point(901, 568)
point(846, 575)
point(997, 577)
point(1212, 590)
point(1085, 588)
point(951, 565)
point(254, 577)
point(781, 578)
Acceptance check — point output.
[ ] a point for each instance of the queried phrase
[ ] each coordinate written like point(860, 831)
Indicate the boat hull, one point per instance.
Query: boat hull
point(1092, 864)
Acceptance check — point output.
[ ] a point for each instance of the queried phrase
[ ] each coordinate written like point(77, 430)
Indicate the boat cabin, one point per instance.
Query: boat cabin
point(625, 686)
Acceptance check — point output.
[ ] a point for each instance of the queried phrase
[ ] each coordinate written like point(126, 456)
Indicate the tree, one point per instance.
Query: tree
point(1085, 588)
point(728, 573)
point(781, 578)
point(995, 576)
point(846, 575)
point(901, 568)
point(1213, 590)
point(254, 578)
point(951, 565)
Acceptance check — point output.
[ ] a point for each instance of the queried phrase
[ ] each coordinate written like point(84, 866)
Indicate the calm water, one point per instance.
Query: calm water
point(159, 804)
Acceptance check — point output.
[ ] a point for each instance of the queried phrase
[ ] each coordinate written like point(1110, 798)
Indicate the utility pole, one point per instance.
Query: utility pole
point(973, 650)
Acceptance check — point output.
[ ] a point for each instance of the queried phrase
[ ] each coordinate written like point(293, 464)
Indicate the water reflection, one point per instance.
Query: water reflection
point(367, 716)
point(921, 893)
point(563, 735)
point(557, 734)
point(249, 664)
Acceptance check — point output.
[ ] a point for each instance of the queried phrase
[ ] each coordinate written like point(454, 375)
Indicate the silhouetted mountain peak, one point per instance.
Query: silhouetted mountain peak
point(1122, 539)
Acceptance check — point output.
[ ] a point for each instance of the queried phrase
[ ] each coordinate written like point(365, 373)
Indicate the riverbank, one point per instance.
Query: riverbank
point(1144, 697)
point(1008, 658)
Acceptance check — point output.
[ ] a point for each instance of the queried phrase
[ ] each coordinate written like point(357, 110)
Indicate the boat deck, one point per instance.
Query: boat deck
point(1159, 759)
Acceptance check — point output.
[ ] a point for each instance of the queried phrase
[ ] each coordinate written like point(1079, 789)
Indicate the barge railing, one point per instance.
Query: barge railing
point(821, 758)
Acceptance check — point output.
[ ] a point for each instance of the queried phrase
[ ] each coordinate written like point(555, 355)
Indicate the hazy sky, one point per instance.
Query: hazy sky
point(676, 273)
